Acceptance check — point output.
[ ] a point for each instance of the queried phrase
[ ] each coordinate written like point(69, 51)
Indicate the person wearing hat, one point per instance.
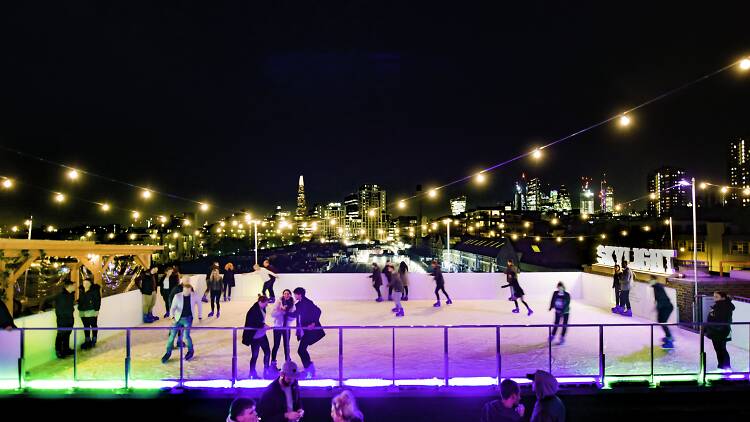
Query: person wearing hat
point(280, 401)
point(548, 407)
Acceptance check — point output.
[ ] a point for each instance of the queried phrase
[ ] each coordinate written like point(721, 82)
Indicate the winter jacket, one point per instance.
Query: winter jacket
point(377, 279)
point(6, 319)
point(404, 278)
point(548, 407)
point(437, 273)
point(626, 279)
point(255, 319)
point(396, 282)
point(511, 273)
point(272, 404)
point(660, 295)
point(281, 316)
point(146, 283)
point(307, 313)
point(174, 280)
point(64, 308)
point(494, 411)
point(228, 278)
point(560, 302)
point(178, 303)
point(616, 281)
point(265, 274)
point(90, 300)
point(721, 311)
point(213, 281)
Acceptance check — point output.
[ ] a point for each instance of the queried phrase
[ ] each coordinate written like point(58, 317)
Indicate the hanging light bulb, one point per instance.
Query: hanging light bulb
point(432, 193)
point(204, 207)
point(136, 215)
point(146, 194)
point(624, 120)
point(7, 183)
point(105, 207)
point(537, 154)
point(73, 174)
point(59, 198)
point(401, 204)
point(480, 178)
point(745, 64)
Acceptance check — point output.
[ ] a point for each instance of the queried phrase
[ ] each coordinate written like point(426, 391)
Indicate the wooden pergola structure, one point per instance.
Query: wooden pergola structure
point(95, 257)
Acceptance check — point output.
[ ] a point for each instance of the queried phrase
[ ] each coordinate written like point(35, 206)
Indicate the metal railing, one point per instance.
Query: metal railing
point(341, 381)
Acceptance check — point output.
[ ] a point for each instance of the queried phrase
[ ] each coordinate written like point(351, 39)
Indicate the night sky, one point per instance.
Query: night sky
point(232, 103)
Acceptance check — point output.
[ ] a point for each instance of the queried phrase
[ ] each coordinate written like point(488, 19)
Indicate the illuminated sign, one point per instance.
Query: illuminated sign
point(643, 259)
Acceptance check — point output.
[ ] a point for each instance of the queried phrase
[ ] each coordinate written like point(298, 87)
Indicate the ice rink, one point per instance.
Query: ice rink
point(419, 352)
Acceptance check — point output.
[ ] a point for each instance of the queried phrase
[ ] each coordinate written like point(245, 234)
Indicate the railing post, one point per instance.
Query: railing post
point(702, 363)
point(498, 356)
point(651, 381)
point(127, 357)
point(601, 355)
point(549, 348)
point(234, 356)
point(181, 340)
point(445, 354)
point(341, 357)
point(393, 355)
point(21, 369)
point(75, 354)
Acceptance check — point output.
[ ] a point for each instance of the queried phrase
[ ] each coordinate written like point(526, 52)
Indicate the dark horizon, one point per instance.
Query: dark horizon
point(230, 104)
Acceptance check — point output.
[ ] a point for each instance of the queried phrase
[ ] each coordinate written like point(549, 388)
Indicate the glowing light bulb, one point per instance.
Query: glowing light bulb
point(703, 185)
point(333, 221)
point(105, 207)
point(136, 215)
point(745, 64)
point(652, 195)
point(480, 178)
point(111, 235)
point(526, 224)
point(401, 205)
point(559, 239)
point(176, 235)
point(73, 174)
point(7, 183)
point(537, 238)
point(371, 213)
point(432, 193)
point(603, 236)
point(59, 197)
point(580, 238)
point(624, 120)
point(204, 207)
point(646, 228)
point(724, 189)
point(746, 191)
point(14, 229)
point(618, 207)
point(624, 232)
point(162, 219)
point(537, 154)
point(554, 221)
point(146, 194)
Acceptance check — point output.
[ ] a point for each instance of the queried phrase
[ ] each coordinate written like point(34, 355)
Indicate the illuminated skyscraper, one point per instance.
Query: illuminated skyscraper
point(458, 205)
point(665, 192)
point(372, 211)
point(739, 171)
point(563, 202)
point(587, 196)
point(534, 194)
point(301, 213)
point(519, 194)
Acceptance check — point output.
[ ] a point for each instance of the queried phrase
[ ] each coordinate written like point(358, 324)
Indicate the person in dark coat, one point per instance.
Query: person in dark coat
point(508, 408)
point(377, 280)
point(308, 319)
point(254, 336)
point(89, 303)
point(64, 302)
point(616, 285)
point(721, 312)
point(6, 319)
point(228, 281)
point(280, 401)
point(511, 273)
point(172, 277)
point(388, 279)
point(561, 304)
point(548, 407)
point(147, 285)
point(437, 274)
point(664, 309)
point(403, 271)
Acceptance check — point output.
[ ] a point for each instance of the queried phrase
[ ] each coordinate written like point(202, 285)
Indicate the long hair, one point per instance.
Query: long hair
point(402, 267)
point(345, 406)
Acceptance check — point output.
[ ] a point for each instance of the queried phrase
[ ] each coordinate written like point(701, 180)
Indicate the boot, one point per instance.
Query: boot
point(166, 315)
point(165, 358)
point(667, 345)
point(530, 312)
point(189, 355)
point(153, 317)
point(400, 312)
point(204, 299)
point(147, 319)
point(515, 311)
point(405, 298)
point(449, 302)
point(86, 345)
point(272, 300)
point(561, 341)
point(274, 366)
point(229, 298)
point(436, 304)
point(253, 375)
point(380, 299)
point(218, 314)
point(267, 373)
point(310, 371)
point(93, 342)
point(210, 314)
point(394, 310)
point(628, 313)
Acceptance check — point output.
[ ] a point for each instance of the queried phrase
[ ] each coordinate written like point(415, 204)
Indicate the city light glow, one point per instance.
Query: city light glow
point(59, 197)
point(745, 64)
point(624, 120)
point(105, 207)
point(146, 194)
point(73, 174)
point(7, 183)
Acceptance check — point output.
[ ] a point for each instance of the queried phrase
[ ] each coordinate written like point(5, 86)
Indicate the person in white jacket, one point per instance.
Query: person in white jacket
point(268, 277)
point(281, 315)
point(182, 312)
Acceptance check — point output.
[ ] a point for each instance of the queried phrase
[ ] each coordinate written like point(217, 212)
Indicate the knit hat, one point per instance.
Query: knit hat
point(290, 369)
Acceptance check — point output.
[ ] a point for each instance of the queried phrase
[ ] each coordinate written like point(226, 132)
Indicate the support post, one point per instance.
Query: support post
point(234, 356)
point(445, 355)
point(601, 355)
point(127, 358)
point(498, 356)
point(341, 356)
point(393, 355)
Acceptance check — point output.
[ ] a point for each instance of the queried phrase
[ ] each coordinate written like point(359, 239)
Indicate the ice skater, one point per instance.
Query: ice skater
point(516, 292)
point(254, 336)
point(616, 286)
point(388, 276)
point(214, 286)
point(182, 313)
point(64, 314)
point(403, 271)
point(268, 277)
point(214, 266)
point(228, 281)
point(308, 329)
point(377, 280)
point(437, 273)
point(280, 315)
point(89, 303)
point(398, 289)
point(561, 304)
point(626, 282)
point(664, 309)
point(721, 313)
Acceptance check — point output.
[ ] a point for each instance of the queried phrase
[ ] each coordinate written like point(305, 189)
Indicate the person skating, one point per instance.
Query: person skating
point(211, 269)
point(178, 289)
point(268, 277)
point(182, 313)
point(344, 408)
point(388, 279)
point(437, 274)
point(377, 280)
point(508, 408)
point(626, 283)
point(398, 289)
point(254, 336)
point(147, 285)
point(664, 309)
point(89, 303)
point(64, 302)
point(281, 401)
point(548, 407)
point(721, 313)
point(172, 278)
point(403, 271)
point(516, 292)
point(165, 289)
point(228, 281)
point(272, 276)
point(308, 331)
point(214, 286)
point(280, 315)
point(242, 410)
point(561, 304)
point(617, 273)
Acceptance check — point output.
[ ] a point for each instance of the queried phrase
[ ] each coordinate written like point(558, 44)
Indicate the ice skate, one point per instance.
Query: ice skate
point(380, 299)
point(189, 355)
point(515, 311)
point(448, 302)
point(436, 304)
point(400, 312)
point(210, 314)
point(165, 358)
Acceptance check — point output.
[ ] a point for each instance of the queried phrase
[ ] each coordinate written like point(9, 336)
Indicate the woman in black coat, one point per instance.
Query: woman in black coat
point(89, 303)
point(254, 335)
point(228, 281)
point(721, 312)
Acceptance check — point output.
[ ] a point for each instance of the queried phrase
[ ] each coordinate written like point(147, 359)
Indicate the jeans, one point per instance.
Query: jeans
point(662, 316)
point(62, 339)
point(165, 296)
point(148, 303)
point(560, 317)
point(618, 302)
point(215, 296)
point(268, 286)
point(438, 288)
point(227, 290)
point(397, 299)
point(183, 325)
point(722, 356)
point(255, 346)
point(625, 299)
point(377, 289)
point(89, 322)
point(278, 336)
